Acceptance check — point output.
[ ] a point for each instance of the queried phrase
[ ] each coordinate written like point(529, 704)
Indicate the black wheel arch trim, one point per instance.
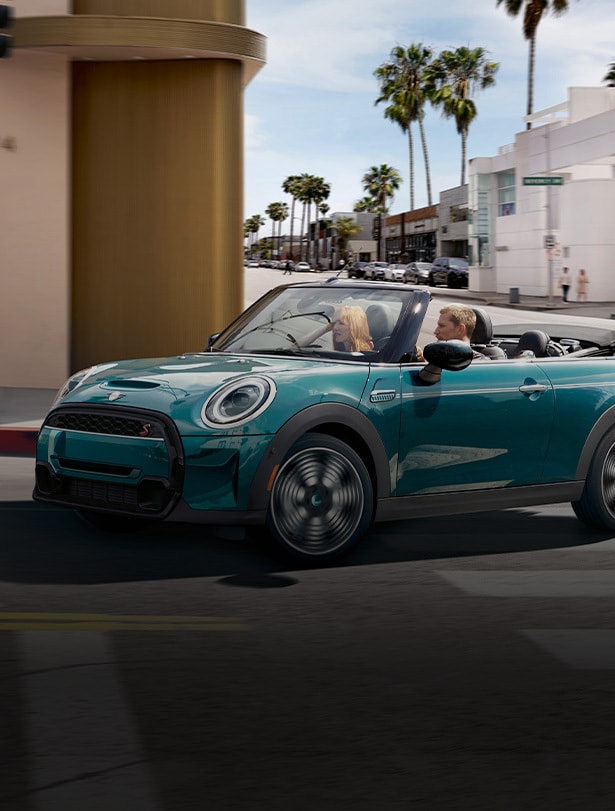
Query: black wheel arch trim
point(322, 417)
point(600, 429)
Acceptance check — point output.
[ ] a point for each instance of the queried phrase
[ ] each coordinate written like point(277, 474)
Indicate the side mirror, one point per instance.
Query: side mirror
point(450, 355)
point(212, 338)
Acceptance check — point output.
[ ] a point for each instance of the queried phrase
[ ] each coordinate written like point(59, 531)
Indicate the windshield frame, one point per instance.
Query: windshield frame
point(411, 301)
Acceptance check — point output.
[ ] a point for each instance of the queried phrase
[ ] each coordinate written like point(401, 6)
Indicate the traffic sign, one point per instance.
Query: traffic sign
point(549, 180)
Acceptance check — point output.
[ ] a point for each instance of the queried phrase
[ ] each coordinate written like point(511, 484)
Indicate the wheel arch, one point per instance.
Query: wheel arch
point(600, 429)
point(336, 420)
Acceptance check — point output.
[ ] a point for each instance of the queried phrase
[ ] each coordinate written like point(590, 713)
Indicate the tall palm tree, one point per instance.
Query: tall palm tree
point(319, 191)
point(345, 229)
point(303, 195)
point(533, 11)
point(277, 213)
point(452, 80)
point(291, 186)
point(381, 183)
point(610, 76)
point(254, 224)
point(402, 84)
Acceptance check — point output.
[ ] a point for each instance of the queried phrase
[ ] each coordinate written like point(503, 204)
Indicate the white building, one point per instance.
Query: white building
point(517, 213)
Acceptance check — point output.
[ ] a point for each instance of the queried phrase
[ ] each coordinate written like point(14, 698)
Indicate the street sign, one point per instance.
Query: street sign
point(550, 180)
point(549, 241)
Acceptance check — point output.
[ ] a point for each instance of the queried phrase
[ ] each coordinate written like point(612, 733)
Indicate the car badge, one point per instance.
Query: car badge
point(115, 395)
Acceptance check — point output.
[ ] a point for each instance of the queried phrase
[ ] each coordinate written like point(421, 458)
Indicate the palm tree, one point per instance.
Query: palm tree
point(381, 183)
point(253, 225)
point(452, 80)
point(319, 191)
point(277, 213)
point(610, 76)
point(345, 228)
point(291, 186)
point(402, 84)
point(533, 11)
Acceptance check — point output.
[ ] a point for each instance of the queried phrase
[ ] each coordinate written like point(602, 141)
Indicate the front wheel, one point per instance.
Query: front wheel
point(596, 507)
point(322, 499)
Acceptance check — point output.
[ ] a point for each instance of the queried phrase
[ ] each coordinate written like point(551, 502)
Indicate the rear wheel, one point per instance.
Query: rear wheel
point(432, 281)
point(596, 507)
point(322, 499)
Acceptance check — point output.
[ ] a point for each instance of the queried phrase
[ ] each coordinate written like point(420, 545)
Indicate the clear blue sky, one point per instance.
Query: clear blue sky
point(311, 108)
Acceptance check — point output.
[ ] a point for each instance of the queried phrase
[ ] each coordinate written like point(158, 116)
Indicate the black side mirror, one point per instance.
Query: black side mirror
point(212, 338)
point(450, 355)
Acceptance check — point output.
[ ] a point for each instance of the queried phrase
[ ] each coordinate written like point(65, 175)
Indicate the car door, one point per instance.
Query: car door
point(485, 427)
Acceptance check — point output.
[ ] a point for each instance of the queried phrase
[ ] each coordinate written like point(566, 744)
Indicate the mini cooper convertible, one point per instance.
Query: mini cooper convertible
point(283, 422)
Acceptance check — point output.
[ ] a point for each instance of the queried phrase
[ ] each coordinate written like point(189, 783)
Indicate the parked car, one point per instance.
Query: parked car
point(272, 427)
point(417, 272)
point(375, 270)
point(252, 263)
point(356, 270)
point(449, 271)
point(394, 273)
point(303, 267)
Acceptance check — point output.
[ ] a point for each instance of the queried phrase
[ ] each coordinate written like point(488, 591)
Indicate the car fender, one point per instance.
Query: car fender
point(340, 420)
point(604, 424)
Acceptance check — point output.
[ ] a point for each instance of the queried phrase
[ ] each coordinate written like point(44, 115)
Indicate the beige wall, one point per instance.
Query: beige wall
point(34, 216)
point(121, 169)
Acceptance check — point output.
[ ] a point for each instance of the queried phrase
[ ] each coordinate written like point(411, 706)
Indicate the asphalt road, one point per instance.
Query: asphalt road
point(448, 663)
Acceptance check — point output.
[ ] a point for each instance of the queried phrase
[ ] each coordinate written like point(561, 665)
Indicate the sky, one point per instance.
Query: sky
point(311, 108)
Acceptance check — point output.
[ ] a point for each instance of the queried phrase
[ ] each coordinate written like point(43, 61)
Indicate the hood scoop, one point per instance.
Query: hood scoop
point(137, 385)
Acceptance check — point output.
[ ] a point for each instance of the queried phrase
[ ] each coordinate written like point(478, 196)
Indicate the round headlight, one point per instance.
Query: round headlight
point(238, 401)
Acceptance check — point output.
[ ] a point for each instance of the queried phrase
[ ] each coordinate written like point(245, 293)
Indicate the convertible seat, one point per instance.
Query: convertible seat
point(483, 335)
point(381, 322)
point(534, 341)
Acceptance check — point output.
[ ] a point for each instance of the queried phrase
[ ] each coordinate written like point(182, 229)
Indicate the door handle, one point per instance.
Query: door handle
point(533, 388)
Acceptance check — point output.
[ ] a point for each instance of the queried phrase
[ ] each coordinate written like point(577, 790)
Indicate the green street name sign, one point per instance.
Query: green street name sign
point(551, 180)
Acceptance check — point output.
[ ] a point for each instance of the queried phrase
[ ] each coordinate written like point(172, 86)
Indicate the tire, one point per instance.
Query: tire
point(596, 507)
point(432, 282)
point(111, 522)
point(452, 281)
point(321, 501)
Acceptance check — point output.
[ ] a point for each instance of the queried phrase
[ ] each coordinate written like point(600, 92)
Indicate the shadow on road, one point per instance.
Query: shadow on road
point(46, 545)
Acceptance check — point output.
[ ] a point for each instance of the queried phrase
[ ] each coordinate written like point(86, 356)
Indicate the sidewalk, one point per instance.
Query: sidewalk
point(22, 410)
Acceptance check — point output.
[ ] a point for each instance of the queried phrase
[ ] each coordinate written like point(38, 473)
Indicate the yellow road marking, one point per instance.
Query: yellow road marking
point(41, 621)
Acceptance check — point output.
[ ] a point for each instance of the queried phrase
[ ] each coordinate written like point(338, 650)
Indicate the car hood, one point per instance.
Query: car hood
point(179, 386)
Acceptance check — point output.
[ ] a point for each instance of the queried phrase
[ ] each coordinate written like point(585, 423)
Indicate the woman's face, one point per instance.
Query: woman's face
point(341, 330)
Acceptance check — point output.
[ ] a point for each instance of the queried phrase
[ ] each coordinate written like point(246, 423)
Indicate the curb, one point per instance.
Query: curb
point(18, 441)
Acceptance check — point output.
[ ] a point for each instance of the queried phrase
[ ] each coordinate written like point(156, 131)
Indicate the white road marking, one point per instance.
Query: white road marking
point(82, 738)
point(579, 648)
point(542, 583)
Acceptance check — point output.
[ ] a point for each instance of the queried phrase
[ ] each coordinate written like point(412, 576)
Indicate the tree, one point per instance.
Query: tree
point(277, 213)
point(345, 229)
point(292, 186)
point(381, 183)
point(452, 80)
point(532, 15)
point(253, 225)
point(319, 191)
point(610, 76)
point(402, 84)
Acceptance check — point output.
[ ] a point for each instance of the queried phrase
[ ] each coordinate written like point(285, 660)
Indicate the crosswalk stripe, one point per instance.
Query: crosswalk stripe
point(540, 583)
point(579, 648)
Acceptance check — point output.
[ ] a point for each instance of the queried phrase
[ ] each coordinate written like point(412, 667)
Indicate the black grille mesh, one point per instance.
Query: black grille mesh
point(104, 424)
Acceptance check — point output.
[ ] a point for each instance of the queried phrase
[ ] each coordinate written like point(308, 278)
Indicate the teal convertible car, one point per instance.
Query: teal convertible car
point(311, 415)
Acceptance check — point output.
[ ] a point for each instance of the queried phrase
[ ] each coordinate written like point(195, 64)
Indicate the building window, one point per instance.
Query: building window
point(506, 193)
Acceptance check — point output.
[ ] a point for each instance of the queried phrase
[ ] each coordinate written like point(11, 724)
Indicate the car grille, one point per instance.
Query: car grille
point(152, 495)
point(94, 423)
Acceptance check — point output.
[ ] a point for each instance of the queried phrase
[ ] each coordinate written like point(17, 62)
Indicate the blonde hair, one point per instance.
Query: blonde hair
point(356, 320)
point(459, 314)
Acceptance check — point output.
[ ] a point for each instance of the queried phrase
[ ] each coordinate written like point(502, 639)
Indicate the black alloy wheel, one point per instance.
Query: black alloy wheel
point(322, 499)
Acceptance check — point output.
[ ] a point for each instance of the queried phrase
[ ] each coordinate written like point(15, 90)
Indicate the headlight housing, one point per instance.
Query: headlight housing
point(238, 402)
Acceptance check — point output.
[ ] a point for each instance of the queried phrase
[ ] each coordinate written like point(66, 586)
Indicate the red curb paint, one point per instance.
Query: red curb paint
point(18, 441)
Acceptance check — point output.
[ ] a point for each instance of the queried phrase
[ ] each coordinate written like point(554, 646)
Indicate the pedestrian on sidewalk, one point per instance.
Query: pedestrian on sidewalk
point(582, 282)
point(564, 282)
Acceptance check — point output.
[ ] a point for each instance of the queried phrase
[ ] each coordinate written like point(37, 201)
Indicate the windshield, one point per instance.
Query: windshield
point(356, 322)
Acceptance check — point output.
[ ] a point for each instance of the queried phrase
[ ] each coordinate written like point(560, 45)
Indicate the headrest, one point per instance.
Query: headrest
point(535, 341)
point(483, 331)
